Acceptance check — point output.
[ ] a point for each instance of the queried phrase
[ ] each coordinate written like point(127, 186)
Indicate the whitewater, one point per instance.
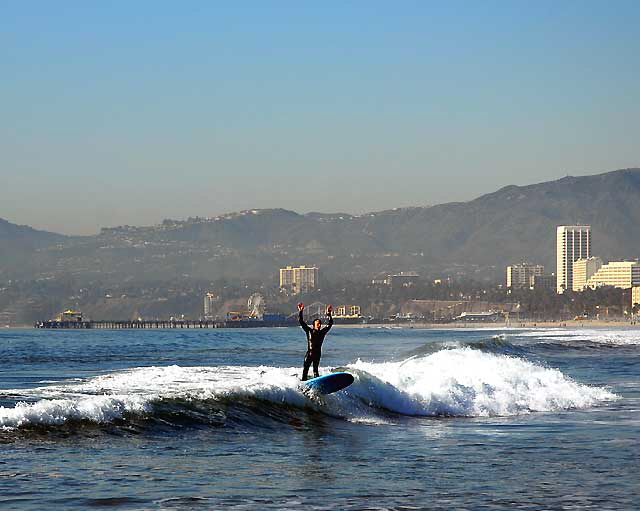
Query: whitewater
point(452, 382)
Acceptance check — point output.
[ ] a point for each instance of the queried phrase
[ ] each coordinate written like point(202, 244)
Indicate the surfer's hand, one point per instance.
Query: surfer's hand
point(301, 306)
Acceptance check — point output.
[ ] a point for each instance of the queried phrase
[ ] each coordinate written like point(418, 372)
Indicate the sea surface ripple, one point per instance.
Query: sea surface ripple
point(211, 419)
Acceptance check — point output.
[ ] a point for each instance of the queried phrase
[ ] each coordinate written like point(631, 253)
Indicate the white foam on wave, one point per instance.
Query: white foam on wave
point(614, 337)
point(466, 382)
point(100, 409)
point(109, 397)
point(451, 382)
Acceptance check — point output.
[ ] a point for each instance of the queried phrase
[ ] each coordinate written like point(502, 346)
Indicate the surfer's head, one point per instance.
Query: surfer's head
point(317, 324)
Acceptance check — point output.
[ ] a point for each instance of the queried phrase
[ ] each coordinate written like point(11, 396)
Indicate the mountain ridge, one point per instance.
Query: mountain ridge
point(512, 224)
point(9, 230)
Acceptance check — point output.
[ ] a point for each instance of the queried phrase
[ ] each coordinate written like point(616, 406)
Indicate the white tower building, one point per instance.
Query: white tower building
point(573, 242)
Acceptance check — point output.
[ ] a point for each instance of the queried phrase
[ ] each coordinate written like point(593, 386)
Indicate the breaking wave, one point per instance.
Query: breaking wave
point(452, 382)
point(472, 383)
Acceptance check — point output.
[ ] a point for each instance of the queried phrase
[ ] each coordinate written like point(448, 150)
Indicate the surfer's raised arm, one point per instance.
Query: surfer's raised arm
point(304, 326)
point(330, 316)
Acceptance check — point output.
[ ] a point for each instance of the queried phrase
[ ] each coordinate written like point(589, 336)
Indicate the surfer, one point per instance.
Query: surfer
point(315, 336)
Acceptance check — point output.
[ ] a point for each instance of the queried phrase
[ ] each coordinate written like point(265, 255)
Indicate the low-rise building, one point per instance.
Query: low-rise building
point(583, 270)
point(347, 311)
point(621, 274)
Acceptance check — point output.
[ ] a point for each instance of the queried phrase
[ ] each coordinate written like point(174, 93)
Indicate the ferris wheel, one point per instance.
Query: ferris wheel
point(256, 305)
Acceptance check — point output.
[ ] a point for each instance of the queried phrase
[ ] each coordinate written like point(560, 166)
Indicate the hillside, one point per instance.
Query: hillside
point(18, 245)
point(510, 225)
point(519, 222)
point(12, 235)
point(477, 238)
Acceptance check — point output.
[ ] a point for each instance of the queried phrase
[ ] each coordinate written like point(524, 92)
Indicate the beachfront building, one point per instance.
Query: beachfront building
point(573, 242)
point(583, 270)
point(521, 275)
point(299, 279)
point(621, 274)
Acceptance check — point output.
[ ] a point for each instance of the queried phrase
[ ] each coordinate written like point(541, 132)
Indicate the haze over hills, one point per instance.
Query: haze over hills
point(475, 239)
point(513, 224)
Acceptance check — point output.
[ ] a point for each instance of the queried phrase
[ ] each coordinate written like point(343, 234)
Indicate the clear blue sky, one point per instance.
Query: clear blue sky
point(131, 112)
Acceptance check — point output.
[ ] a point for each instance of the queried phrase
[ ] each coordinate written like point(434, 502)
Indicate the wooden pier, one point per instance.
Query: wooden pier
point(161, 324)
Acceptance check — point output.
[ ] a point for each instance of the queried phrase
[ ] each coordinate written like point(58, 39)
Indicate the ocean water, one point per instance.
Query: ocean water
point(215, 419)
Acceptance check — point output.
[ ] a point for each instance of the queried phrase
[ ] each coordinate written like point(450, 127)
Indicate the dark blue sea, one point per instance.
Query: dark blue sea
point(216, 419)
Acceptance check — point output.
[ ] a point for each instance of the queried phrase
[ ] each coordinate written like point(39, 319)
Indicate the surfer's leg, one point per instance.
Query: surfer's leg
point(316, 363)
point(305, 367)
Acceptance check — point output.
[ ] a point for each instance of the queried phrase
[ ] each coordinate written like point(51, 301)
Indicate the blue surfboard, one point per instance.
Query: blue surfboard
point(329, 383)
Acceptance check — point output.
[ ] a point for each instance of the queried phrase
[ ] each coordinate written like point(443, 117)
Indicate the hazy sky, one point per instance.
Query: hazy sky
point(130, 112)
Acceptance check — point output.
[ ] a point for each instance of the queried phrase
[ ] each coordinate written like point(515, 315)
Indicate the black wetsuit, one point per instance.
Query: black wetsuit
point(314, 346)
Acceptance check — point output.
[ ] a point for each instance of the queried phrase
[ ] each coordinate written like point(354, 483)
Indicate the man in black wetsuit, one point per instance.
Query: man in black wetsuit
point(315, 336)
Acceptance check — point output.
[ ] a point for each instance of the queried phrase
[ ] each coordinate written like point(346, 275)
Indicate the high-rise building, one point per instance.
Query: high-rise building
point(583, 270)
point(520, 275)
point(299, 279)
point(622, 274)
point(573, 242)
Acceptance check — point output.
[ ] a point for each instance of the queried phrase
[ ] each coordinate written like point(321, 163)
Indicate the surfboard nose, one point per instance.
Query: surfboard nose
point(330, 383)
